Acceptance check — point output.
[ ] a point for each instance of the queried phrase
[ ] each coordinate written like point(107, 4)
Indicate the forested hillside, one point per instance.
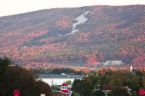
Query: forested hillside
point(75, 36)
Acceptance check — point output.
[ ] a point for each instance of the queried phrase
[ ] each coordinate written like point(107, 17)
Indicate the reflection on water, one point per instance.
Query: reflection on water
point(57, 78)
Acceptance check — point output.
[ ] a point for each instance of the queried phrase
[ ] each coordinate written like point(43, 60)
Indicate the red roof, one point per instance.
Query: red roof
point(65, 91)
point(64, 84)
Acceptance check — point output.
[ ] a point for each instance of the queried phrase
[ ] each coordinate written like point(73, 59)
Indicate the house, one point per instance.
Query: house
point(61, 90)
point(64, 90)
point(113, 62)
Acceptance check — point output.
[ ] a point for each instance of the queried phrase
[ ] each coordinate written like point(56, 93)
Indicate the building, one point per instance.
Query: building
point(131, 68)
point(113, 62)
point(65, 91)
point(61, 90)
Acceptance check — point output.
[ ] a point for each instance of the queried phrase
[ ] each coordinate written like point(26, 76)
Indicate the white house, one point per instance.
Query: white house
point(113, 62)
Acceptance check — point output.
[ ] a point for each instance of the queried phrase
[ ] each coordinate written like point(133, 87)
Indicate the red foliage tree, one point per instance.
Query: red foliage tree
point(92, 61)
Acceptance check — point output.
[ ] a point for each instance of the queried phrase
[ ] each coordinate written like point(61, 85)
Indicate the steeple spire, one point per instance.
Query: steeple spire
point(131, 68)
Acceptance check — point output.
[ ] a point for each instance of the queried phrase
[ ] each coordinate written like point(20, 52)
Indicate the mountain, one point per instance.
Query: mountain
point(82, 36)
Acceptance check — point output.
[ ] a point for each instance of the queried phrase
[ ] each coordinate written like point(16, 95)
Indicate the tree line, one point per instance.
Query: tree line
point(16, 78)
point(117, 83)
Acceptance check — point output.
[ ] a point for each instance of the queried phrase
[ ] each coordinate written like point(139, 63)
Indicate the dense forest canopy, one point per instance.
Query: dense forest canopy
point(16, 78)
point(72, 36)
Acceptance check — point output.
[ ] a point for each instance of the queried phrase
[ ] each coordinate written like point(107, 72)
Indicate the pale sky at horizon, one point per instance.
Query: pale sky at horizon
point(10, 7)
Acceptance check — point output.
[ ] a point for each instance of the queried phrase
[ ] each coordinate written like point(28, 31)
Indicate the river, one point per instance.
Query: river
point(58, 79)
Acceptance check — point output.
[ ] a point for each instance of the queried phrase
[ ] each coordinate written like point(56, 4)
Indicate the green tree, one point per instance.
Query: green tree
point(14, 77)
point(4, 63)
point(119, 92)
point(98, 93)
point(68, 82)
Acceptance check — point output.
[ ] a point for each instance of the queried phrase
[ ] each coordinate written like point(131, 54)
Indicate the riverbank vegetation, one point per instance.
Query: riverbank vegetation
point(67, 71)
point(111, 83)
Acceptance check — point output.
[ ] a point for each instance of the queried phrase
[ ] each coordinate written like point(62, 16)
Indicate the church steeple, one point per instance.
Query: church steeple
point(131, 68)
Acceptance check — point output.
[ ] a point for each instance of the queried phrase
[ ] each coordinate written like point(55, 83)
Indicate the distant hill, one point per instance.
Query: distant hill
point(75, 36)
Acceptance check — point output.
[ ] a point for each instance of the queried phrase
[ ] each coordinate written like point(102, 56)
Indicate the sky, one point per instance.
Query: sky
point(10, 7)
